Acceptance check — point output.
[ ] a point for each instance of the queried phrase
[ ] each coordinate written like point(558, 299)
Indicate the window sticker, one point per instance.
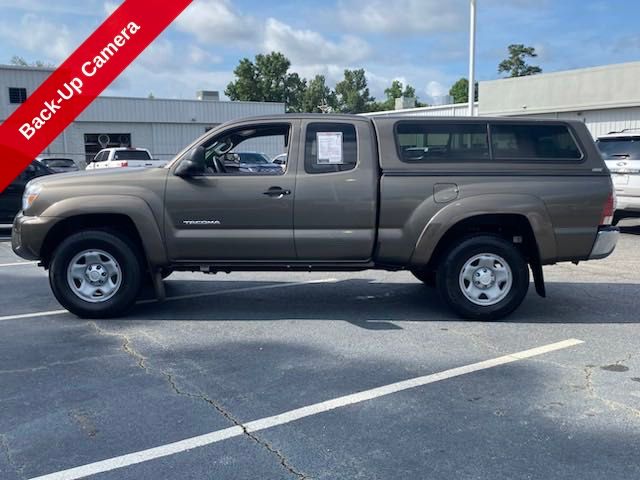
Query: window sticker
point(330, 148)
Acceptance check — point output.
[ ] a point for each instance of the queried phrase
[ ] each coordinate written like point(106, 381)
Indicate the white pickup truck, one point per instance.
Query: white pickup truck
point(124, 157)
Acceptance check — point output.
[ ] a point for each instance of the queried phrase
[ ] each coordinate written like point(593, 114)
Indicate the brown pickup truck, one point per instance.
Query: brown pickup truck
point(467, 205)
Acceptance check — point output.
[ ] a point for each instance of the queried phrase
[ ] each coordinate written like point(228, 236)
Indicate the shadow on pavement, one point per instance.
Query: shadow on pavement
point(377, 306)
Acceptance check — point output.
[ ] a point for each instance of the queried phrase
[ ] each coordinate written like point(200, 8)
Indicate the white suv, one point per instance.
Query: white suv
point(621, 152)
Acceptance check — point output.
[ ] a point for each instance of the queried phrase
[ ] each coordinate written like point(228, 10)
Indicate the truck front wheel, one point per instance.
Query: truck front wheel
point(95, 274)
point(483, 278)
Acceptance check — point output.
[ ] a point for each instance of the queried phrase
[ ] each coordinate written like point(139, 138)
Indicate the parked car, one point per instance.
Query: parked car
point(249, 162)
point(621, 153)
point(120, 157)
point(11, 197)
point(60, 165)
point(499, 197)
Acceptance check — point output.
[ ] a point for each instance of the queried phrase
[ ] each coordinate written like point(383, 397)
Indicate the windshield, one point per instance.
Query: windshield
point(616, 148)
point(132, 155)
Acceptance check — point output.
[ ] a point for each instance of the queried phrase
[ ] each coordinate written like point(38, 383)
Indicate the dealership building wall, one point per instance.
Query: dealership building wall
point(605, 98)
point(164, 126)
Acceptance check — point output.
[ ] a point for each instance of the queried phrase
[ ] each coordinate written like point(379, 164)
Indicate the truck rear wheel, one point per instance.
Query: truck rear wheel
point(95, 274)
point(483, 278)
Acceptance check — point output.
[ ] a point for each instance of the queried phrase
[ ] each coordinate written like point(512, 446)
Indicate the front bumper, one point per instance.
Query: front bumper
point(605, 243)
point(28, 235)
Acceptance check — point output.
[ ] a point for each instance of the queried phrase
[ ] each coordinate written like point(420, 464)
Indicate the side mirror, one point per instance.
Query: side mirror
point(193, 164)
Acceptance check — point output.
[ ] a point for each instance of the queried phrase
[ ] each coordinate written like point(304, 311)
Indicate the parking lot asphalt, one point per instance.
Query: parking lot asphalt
point(225, 351)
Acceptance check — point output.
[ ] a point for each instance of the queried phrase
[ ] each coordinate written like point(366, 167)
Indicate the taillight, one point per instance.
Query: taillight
point(124, 164)
point(609, 208)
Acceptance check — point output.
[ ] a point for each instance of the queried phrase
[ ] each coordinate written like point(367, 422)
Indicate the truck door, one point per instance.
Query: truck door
point(335, 206)
point(240, 208)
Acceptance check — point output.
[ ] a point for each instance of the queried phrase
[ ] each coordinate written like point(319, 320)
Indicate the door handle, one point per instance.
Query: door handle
point(277, 192)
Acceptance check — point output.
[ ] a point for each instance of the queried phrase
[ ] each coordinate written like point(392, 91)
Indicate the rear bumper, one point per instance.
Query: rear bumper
point(627, 203)
point(605, 243)
point(28, 234)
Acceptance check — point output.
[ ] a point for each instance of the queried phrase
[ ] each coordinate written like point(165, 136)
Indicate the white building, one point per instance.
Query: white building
point(605, 98)
point(163, 126)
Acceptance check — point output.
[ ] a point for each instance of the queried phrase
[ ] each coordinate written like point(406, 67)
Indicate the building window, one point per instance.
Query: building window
point(94, 142)
point(17, 95)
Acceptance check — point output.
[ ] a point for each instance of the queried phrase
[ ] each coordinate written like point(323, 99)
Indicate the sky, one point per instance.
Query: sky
point(420, 42)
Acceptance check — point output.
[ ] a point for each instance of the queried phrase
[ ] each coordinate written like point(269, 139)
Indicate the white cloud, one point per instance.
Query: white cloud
point(110, 7)
point(214, 21)
point(217, 22)
point(403, 16)
point(163, 55)
point(307, 46)
point(35, 34)
point(200, 56)
point(138, 80)
point(435, 89)
point(158, 55)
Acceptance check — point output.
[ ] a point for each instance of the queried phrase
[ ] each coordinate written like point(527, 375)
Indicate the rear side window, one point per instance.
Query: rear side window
point(533, 142)
point(330, 147)
point(430, 142)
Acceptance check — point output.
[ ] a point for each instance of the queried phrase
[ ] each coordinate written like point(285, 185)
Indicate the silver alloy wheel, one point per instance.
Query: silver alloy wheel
point(94, 276)
point(486, 279)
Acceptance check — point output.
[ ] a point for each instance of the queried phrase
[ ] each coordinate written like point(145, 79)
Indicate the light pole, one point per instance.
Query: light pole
point(472, 56)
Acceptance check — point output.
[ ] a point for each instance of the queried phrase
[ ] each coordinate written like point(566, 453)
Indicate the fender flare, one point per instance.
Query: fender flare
point(529, 206)
point(135, 208)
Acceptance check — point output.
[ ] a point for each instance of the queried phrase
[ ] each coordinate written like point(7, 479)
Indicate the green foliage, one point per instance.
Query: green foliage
point(353, 93)
point(397, 90)
point(460, 91)
point(267, 80)
point(318, 96)
point(516, 65)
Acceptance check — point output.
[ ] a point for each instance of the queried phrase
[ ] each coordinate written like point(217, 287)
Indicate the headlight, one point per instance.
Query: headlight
point(31, 192)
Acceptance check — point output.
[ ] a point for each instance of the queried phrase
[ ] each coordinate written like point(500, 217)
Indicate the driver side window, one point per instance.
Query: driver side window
point(249, 150)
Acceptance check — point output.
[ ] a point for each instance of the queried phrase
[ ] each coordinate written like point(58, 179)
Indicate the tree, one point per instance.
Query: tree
point(17, 60)
point(515, 65)
point(397, 90)
point(460, 91)
point(318, 96)
point(353, 93)
point(267, 80)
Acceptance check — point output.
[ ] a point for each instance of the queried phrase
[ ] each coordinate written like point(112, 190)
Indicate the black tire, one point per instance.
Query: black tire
point(452, 264)
point(428, 277)
point(123, 251)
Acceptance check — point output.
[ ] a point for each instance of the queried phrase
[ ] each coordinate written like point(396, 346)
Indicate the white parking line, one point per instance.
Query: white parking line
point(14, 264)
point(292, 415)
point(181, 297)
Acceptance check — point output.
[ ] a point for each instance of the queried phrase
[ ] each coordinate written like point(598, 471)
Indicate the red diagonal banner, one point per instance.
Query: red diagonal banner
point(79, 80)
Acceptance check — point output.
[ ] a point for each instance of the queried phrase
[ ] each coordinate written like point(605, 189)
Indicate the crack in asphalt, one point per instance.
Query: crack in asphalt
point(236, 422)
point(611, 404)
point(4, 443)
point(126, 344)
point(588, 371)
point(128, 348)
